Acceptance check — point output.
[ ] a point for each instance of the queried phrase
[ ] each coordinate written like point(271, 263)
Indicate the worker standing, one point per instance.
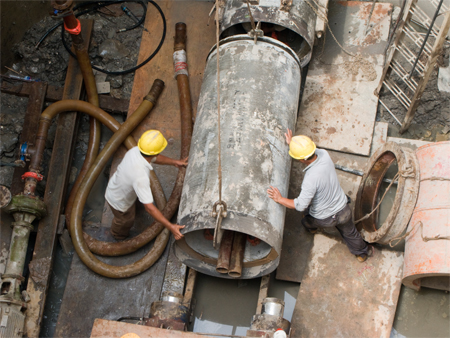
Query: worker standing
point(131, 181)
point(321, 197)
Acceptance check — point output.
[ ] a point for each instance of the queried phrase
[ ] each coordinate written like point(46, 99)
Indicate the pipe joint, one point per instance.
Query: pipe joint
point(22, 224)
point(155, 91)
point(75, 30)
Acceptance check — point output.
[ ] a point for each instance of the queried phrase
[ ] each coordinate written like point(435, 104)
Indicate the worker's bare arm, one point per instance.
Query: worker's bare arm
point(159, 217)
point(288, 136)
point(275, 194)
point(164, 160)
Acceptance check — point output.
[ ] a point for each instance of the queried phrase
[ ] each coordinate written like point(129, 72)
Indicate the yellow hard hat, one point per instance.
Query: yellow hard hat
point(301, 147)
point(130, 335)
point(152, 142)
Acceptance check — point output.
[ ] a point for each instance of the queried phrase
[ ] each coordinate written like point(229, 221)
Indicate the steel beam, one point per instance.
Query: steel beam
point(107, 103)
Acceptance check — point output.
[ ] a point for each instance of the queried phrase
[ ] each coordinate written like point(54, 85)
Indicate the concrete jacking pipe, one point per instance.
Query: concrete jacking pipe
point(427, 261)
point(260, 87)
point(76, 229)
point(367, 196)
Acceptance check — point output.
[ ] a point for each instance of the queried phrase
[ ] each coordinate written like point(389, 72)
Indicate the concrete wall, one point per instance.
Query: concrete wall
point(16, 18)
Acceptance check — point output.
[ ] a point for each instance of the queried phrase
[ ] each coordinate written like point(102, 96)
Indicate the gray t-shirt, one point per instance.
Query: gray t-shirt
point(321, 190)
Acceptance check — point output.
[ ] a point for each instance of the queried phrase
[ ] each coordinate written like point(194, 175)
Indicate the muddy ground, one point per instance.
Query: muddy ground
point(109, 50)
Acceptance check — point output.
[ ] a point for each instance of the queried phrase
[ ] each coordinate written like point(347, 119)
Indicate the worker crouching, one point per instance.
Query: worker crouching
point(131, 181)
point(321, 198)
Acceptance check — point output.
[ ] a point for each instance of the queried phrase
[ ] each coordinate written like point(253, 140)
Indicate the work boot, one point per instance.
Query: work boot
point(312, 231)
point(363, 257)
point(118, 237)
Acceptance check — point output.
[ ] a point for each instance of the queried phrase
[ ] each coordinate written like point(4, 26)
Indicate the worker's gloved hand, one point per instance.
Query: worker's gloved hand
point(288, 136)
point(181, 163)
point(175, 230)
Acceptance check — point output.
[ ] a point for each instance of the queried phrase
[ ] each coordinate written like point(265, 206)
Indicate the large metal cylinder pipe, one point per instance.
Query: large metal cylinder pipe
point(292, 22)
point(427, 261)
point(260, 87)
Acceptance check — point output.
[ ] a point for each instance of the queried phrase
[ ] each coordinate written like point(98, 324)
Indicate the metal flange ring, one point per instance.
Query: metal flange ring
point(405, 198)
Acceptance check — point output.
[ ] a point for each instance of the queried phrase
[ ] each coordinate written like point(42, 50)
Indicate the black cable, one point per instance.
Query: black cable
point(127, 71)
point(98, 5)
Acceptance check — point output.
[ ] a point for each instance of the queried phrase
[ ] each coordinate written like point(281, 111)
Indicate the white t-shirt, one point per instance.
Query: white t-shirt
point(130, 181)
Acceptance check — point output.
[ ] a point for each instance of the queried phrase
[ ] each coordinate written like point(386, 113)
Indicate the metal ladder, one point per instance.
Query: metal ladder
point(412, 76)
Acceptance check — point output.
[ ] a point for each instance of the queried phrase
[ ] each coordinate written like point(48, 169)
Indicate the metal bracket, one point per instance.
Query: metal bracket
point(256, 33)
point(219, 212)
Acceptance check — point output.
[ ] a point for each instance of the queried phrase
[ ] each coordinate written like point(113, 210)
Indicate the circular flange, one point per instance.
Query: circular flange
point(5, 196)
point(62, 5)
point(405, 198)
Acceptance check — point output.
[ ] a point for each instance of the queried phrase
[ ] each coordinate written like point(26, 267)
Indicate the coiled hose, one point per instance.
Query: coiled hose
point(76, 229)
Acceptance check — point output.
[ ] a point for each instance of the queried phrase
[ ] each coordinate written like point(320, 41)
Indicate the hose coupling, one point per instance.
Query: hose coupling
point(74, 31)
point(155, 91)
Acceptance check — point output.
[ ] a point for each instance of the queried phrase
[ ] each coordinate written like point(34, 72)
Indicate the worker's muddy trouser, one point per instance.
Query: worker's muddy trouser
point(344, 223)
point(122, 222)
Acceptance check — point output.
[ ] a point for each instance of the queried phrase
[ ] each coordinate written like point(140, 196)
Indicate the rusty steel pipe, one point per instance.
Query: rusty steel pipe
point(226, 245)
point(131, 245)
point(427, 260)
point(76, 229)
point(237, 255)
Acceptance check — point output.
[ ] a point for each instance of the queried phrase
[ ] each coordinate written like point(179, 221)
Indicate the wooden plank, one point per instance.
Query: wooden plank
point(110, 329)
point(263, 292)
point(107, 103)
point(338, 107)
point(59, 169)
point(341, 297)
point(190, 285)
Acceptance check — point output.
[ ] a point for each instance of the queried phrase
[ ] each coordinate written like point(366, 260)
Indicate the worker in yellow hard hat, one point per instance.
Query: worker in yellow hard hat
point(321, 198)
point(131, 181)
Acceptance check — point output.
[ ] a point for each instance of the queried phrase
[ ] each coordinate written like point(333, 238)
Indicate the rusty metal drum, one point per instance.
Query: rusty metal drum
point(260, 87)
point(291, 21)
point(427, 247)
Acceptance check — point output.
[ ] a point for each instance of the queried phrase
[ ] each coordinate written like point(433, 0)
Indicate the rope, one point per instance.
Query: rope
point(219, 167)
point(407, 173)
point(425, 239)
point(324, 17)
point(251, 16)
point(379, 203)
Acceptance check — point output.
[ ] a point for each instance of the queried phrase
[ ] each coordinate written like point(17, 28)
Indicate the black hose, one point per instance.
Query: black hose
point(126, 71)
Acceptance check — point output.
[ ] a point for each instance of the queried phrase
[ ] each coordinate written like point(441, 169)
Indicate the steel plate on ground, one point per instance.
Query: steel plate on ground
point(338, 108)
point(341, 297)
